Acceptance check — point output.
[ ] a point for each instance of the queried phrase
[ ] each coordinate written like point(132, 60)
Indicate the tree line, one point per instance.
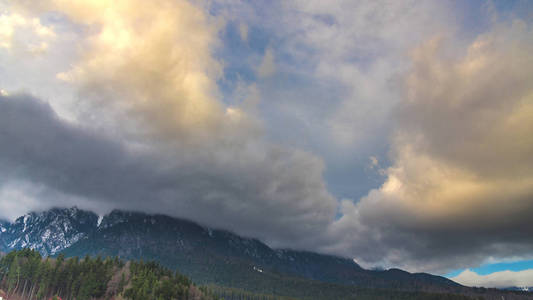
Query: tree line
point(26, 274)
point(30, 276)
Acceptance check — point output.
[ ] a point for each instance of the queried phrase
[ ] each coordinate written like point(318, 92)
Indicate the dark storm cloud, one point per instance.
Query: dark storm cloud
point(38, 145)
point(273, 195)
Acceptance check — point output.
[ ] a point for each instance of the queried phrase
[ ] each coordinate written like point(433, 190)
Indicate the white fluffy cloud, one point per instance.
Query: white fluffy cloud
point(501, 279)
point(23, 35)
point(361, 45)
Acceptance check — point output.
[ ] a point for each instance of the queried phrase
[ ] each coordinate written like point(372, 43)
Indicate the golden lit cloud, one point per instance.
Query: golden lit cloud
point(151, 58)
point(466, 140)
point(462, 157)
point(22, 34)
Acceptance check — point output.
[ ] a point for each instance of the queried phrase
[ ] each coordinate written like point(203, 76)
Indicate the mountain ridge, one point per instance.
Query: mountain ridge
point(49, 231)
point(72, 230)
point(206, 255)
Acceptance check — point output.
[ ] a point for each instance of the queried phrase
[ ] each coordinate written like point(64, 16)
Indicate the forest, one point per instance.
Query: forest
point(25, 274)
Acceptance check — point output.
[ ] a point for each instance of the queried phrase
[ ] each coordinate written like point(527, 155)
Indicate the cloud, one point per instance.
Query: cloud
point(267, 66)
point(460, 188)
point(243, 32)
point(374, 163)
point(261, 190)
point(22, 35)
point(360, 45)
point(150, 130)
point(501, 279)
point(151, 134)
point(337, 71)
point(152, 60)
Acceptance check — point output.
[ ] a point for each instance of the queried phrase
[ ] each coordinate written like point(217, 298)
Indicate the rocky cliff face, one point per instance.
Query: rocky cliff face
point(48, 232)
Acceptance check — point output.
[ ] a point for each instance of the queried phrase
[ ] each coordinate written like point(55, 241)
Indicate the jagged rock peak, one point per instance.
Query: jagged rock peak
point(49, 231)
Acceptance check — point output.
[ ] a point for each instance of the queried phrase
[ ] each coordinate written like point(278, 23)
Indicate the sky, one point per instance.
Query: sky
point(397, 133)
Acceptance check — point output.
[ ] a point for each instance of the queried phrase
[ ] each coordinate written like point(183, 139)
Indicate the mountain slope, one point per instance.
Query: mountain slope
point(48, 232)
point(4, 226)
point(85, 279)
point(205, 255)
point(111, 278)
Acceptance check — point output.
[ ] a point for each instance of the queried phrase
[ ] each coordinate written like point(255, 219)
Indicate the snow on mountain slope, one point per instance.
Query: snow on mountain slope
point(48, 232)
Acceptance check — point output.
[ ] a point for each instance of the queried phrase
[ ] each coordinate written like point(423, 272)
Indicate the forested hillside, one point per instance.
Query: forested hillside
point(206, 255)
point(225, 265)
point(25, 274)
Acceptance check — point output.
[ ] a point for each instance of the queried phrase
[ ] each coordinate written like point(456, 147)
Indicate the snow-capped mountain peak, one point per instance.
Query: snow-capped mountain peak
point(48, 232)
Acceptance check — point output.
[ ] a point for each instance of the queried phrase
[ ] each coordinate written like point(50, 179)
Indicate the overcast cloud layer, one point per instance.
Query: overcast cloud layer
point(124, 104)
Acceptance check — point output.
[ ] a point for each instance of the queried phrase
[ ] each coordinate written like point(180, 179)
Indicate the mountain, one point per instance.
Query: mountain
point(48, 232)
point(207, 256)
point(4, 226)
point(111, 278)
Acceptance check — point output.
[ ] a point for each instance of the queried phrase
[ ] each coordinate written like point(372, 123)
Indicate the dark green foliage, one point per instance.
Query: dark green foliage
point(28, 275)
point(327, 292)
point(122, 283)
point(25, 272)
point(152, 281)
